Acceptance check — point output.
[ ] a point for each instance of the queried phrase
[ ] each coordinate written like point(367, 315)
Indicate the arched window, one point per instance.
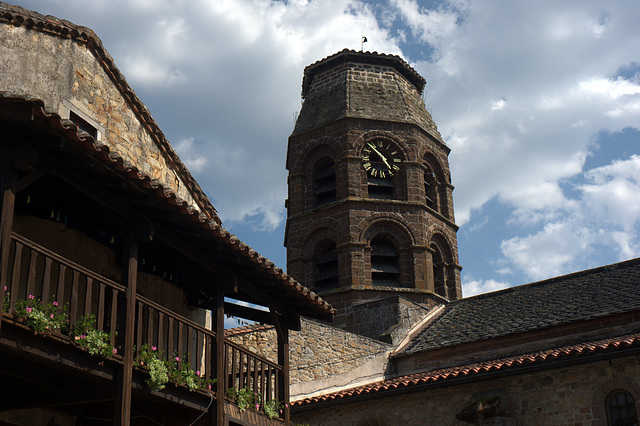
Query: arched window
point(324, 181)
point(431, 189)
point(439, 273)
point(385, 269)
point(381, 160)
point(621, 409)
point(326, 266)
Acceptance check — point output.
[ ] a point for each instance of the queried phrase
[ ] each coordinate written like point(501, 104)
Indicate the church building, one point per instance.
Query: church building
point(371, 228)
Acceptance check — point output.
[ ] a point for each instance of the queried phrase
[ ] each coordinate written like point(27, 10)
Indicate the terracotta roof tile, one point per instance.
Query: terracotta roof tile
point(578, 350)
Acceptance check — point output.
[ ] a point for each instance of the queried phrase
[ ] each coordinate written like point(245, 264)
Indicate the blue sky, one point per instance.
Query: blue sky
point(538, 101)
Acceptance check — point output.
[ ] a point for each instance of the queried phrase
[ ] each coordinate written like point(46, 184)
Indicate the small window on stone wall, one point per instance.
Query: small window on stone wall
point(326, 266)
point(385, 270)
point(324, 178)
point(83, 125)
point(621, 409)
point(438, 272)
point(431, 189)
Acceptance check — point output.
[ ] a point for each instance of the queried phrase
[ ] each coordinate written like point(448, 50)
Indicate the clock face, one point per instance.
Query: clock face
point(380, 159)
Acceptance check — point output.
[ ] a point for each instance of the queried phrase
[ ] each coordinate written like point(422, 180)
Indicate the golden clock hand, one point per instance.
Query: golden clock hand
point(381, 156)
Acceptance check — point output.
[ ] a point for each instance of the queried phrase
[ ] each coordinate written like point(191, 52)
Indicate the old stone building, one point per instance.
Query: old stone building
point(114, 265)
point(371, 228)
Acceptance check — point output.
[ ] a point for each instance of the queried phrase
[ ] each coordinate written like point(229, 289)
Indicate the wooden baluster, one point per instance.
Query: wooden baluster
point(161, 335)
point(15, 277)
point(241, 369)
point(46, 280)
point(171, 351)
point(88, 295)
point(73, 309)
point(234, 368)
point(33, 265)
point(101, 306)
point(114, 316)
point(209, 346)
point(192, 350)
point(150, 315)
point(139, 329)
point(62, 276)
point(181, 348)
point(255, 374)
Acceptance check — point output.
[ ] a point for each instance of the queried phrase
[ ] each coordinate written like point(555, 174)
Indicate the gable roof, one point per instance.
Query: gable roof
point(584, 295)
point(596, 350)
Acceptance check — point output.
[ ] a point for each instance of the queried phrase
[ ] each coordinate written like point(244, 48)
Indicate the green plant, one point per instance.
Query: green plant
point(97, 342)
point(42, 317)
point(148, 357)
point(244, 397)
point(273, 408)
point(162, 372)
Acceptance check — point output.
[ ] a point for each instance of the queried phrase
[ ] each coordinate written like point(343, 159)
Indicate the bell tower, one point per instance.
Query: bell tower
point(370, 208)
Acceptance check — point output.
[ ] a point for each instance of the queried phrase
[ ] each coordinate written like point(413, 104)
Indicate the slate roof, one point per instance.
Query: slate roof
point(578, 351)
point(584, 295)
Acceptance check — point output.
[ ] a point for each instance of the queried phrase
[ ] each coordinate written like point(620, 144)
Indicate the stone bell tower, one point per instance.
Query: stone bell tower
point(370, 208)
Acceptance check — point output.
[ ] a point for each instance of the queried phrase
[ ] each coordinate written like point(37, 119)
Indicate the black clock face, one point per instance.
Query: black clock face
point(380, 159)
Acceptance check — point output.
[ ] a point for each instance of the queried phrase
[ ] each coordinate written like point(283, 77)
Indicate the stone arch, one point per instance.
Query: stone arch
point(443, 266)
point(435, 185)
point(319, 175)
point(388, 253)
point(392, 186)
point(320, 260)
point(604, 391)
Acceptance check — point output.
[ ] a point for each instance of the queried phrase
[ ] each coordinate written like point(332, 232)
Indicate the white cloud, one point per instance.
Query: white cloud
point(606, 216)
point(474, 287)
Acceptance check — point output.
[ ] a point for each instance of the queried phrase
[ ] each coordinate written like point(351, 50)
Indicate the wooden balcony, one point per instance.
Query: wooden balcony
point(38, 274)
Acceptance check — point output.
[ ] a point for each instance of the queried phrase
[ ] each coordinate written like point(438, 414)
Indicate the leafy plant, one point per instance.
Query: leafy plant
point(97, 342)
point(244, 397)
point(162, 372)
point(273, 408)
point(6, 303)
point(42, 317)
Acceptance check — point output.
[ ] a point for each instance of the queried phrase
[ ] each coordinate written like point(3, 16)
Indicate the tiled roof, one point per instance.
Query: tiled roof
point(252, 328)
point(286, 283)
point(374, 58)
point(486, 367)
point(580, 296)
point(21, 17)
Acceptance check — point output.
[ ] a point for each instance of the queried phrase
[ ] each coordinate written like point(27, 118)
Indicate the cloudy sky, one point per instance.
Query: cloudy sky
point(538, 101)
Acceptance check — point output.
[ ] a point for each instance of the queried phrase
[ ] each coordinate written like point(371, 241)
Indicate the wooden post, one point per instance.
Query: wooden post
point(8, 186)
point(130, 278)
point(283, 360)
point(219, 358)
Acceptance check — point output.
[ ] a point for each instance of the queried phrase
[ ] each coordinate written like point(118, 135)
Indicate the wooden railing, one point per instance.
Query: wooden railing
point(39, 272)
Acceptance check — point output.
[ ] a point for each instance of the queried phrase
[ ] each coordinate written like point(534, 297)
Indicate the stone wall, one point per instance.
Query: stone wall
point(67, 76)
point(572, 395)
point(323, 358)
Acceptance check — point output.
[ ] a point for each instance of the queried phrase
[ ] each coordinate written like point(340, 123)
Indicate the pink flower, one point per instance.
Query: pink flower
point(115, 351)
point(32, 297)
point(51, 316)
point(286, 405)
point(154, 348)
point(281, 411)
point(55, 303)
point(5, 288)
point(209, 387)
point(29, 310)
point(177, 358)
point(198, 373)
point(257, 406)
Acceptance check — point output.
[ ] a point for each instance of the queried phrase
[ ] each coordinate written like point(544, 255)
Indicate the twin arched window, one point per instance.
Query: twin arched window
point(324, 182)
point(385, 267)
point(326, 266)
point(621, 409)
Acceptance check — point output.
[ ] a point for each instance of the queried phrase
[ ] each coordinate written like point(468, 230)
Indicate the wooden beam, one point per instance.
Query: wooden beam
point(264, 317)
point(283, 360)
point(8, 178)
point(130, 278)
point(220, 361)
